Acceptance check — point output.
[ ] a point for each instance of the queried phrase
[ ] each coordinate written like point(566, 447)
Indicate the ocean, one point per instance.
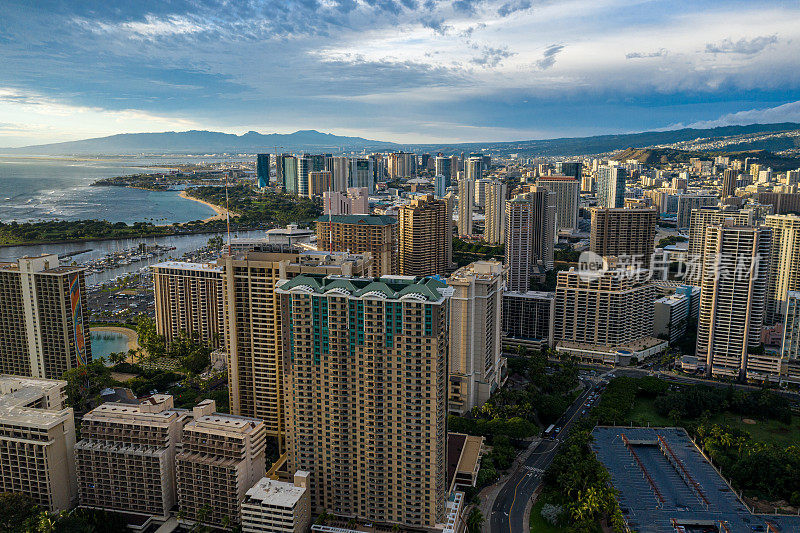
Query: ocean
point(33, 189)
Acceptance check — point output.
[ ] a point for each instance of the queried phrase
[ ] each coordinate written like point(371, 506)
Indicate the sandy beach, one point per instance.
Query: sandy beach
point(220, 211)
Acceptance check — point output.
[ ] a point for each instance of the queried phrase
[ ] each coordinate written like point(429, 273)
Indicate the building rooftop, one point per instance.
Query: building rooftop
point(429, 289)
point(183, 265)
point(278, 493)
point(539, 295)
point(482, 270)
point(372, 220)
point(18, 395)
point(664, 480)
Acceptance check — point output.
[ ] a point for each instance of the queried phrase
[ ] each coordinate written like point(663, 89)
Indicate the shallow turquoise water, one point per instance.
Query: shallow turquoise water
point(105, 343)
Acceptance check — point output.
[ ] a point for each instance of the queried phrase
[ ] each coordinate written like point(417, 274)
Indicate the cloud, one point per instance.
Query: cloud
point(637, 55)
point(742, 46)
point(789, 112)
point(150, 28)
point(512, 7)
point(549, 57)
point(491, 57)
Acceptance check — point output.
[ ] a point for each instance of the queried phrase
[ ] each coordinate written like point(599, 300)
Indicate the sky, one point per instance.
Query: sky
point(394, 70)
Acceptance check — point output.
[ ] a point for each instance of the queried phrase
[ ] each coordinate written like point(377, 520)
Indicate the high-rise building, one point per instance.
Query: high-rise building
point(37, 439)
point(426, 237)
point(288, 177)
point(611, 186)
point(442, 168)
point(188, 298)
point(252, 323)
point(376, 234)
point(339, 168)
point(473, 168)
point(628, 234)
point(784, 263)
point(43, 318)
point(528, 318)
point(221, 457)
point(480, 191)
point(530, 234)
point(688, 203)
point(401, 165)
point(305, 165)
point(125, 460)
point(573, 169)
point(733, 296)
point(355, 202)
point(262, 170)
point(495, 213)
point(440, 186)
point(378, 167)
point(362, 174)
point(475, 334)
point(567, 193)
point(319, 182)
point(278, 506)
point(671, 317)
point(790, 347)
point(729, 177)
point(604, 309)
point(700, 220)
point(367, 386)
point(466, 206)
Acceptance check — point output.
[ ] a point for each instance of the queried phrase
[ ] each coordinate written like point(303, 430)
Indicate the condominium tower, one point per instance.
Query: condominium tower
point(495, 213)
point(221, 457)
point(367, 387)
point(252, 322)
point(611, 186)
point(426, 236)
point(125, 461)
point(376, 234)
point(530, 234)
point(607, 309)
point(262, 170)
point(188, 298)
point(567, 190)
point(475, 334)
point(43, 318)
point(784, 263)
point(628, 234)
point(466, 206)
point(733, 296)
point(37, 438)
point(700, 220)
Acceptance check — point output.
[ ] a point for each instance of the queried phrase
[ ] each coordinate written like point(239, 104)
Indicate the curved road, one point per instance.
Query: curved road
point(509, 505)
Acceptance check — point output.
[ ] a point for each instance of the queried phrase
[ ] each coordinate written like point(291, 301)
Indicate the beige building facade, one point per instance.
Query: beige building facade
point(376, 234)
point(426, 236)
point(367, 390)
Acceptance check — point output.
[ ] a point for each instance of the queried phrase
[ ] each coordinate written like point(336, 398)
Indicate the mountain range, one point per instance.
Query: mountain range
point(211, 142)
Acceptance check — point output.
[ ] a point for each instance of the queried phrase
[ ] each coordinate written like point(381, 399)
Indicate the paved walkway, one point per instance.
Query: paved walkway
point(488, 494)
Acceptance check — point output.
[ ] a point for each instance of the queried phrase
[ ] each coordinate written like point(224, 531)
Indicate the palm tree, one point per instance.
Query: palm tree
point(474, 520)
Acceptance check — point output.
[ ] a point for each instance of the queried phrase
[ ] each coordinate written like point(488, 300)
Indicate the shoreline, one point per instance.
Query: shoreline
point(220, 211)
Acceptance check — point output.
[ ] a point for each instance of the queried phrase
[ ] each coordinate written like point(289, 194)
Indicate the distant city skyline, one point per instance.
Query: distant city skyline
point(397, 70)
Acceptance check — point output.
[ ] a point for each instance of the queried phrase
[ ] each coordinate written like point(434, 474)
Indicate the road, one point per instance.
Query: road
point(509, 505)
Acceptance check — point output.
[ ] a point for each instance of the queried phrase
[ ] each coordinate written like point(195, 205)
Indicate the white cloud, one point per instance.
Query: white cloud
point(789, 112)
point(148, 28)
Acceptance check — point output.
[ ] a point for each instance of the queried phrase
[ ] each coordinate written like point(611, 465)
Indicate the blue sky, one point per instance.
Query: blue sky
point(396, 70)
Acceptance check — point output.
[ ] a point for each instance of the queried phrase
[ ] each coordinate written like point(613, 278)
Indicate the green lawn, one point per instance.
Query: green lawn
point(538, 524)
point(770, 431)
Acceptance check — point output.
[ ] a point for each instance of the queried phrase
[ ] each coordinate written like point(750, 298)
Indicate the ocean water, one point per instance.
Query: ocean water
point(33, 189)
